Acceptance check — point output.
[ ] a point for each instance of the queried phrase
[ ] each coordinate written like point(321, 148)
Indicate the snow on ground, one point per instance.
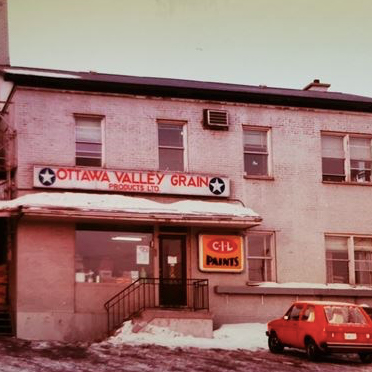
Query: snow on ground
point(249, 336)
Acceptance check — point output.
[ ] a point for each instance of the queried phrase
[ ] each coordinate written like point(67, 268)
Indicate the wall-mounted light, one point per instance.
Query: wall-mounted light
point(127, 238)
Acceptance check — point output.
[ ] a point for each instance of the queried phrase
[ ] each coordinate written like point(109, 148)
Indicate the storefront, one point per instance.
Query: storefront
point(90, 247)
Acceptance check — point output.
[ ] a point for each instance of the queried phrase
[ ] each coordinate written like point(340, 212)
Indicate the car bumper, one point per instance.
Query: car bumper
point(338, 347)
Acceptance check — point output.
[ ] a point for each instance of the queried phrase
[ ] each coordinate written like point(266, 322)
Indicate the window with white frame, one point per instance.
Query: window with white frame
point(260, 257)
point(171, 146)
point(256, 151)
point(88, 141)
point(346, 157)
point(349, 259)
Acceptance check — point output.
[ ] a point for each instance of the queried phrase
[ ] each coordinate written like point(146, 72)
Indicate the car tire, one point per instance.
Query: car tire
point(365, 357)
point(312, 350)
point(275, 346)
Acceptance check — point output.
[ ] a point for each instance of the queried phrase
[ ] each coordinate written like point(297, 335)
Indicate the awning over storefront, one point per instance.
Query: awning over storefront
point(131, 209)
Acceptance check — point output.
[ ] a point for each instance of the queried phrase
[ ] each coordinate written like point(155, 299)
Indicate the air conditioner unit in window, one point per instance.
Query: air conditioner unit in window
point(216, 119)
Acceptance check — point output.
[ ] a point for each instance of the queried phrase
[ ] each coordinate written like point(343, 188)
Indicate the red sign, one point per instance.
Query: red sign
point(222, 253)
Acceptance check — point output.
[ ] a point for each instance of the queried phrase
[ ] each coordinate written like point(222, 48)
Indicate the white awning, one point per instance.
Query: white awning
point(120, 207)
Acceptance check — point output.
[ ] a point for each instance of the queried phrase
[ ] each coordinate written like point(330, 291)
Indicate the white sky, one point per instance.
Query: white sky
point(282, 43)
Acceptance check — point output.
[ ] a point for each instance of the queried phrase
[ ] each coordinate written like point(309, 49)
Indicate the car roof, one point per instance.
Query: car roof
point(327, 303)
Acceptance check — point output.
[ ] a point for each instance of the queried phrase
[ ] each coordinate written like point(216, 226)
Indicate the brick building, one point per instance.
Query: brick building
point(208, 202)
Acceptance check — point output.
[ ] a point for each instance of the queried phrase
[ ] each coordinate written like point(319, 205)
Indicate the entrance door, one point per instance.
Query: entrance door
point(172, 286)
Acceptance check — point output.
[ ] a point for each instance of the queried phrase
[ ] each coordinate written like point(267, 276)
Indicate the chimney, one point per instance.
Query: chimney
point(4, 35)
point(316, 85)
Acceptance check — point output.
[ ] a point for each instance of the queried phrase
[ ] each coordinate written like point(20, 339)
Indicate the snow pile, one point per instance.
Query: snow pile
point(250, 336)
point(125, 204)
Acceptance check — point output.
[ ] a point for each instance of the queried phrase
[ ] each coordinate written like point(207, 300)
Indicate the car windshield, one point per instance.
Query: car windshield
point(344, 315)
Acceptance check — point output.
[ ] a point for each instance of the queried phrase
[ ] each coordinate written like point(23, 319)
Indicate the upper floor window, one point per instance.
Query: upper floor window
point(346, 158)
point(256, 152)
point(171, 147)
point(88, 141)
point(261, 257)
point(349, 259)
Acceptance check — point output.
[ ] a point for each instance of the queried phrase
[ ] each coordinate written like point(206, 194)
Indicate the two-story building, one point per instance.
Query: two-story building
point(205, 202)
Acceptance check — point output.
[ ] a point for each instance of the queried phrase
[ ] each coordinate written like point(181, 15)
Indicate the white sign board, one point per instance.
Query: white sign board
point(143, 255)
point(130, 181)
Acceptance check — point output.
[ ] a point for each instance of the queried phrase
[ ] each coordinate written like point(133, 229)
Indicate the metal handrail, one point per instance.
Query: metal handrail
point(145, 293)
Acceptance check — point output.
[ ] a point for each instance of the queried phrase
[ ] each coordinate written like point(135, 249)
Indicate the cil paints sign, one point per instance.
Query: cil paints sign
point(223, 253)
point(130, 181)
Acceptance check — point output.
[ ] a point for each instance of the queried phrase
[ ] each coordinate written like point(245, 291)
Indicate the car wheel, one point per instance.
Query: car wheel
point(275, 346)
point(365, 357)
point(312, 350)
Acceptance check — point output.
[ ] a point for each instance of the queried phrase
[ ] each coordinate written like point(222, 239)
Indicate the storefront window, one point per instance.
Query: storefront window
point(112, 256)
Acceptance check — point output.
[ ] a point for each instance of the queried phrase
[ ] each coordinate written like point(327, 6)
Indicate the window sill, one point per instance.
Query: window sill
point(348, 183)
point(291, 291)
point(264, 178)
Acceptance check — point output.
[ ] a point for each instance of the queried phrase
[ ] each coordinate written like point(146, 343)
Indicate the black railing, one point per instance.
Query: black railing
point(151, 293)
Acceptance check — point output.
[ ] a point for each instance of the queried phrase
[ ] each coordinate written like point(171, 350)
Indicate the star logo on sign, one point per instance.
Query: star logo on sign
point(47, 176)
point(217, 186)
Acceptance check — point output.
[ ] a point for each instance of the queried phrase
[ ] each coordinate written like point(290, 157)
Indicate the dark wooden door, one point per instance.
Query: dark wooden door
point(172, 271)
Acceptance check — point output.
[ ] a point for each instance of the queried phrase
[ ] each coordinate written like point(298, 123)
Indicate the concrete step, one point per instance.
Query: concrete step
point(188, 323)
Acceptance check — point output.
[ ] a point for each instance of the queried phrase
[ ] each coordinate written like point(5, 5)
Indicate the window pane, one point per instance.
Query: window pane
point(170, 135)
point(171, 159)
point(88, 162)
point(88, 149)
point(336, 243)
point(259, 245)
point(112, 257)
point(362, 244)
point(295, 312)
point(337, 259)
point(360, 171)
point(363, 260)
point(255, 141)
point(337, 272)
point(88, 130)
point(332, 166)
point(256, 270)
point(255, 164)
point(360, 148)
point(332, 147)
point(259, 257)
point(88, 142)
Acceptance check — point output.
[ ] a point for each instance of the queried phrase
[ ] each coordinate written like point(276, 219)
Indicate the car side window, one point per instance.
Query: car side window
point(294, 312)
point(309, 314)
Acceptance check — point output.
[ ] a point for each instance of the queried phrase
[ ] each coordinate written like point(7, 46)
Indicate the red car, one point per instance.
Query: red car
point(322, 327)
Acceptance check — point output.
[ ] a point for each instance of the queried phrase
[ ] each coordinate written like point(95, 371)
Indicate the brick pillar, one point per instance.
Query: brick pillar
point(4, 35)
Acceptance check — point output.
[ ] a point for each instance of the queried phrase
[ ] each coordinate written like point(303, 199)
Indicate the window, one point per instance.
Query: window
point(294, 312)
point(256, 152)
point(171, 147)
point(309, 314)
point(346, 158)
point(349, 259)
point(260, 257)
point(112, 256)
point(88, 141)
